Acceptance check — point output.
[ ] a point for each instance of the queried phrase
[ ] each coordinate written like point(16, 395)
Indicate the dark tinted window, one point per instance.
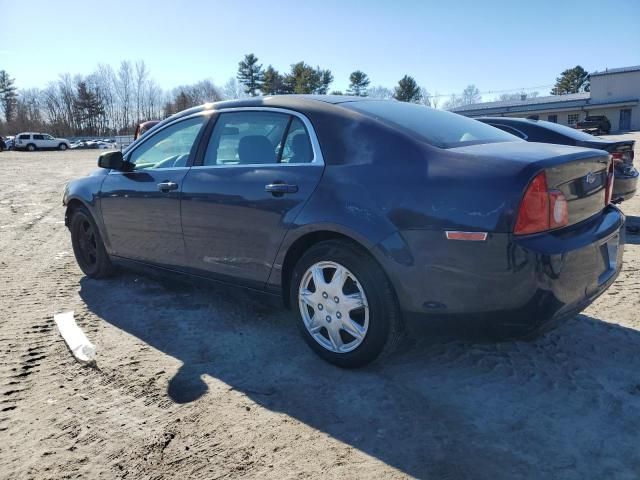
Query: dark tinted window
point(566, 131)
point(24, 137)
point(508, 129)
point(246, 138)
point(38, 137)
point(439, 128)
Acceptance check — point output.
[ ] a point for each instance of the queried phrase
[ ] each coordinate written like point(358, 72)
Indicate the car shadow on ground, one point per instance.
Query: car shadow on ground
point(564, 406)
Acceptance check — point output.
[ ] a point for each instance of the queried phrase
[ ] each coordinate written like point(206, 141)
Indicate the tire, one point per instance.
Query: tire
point(31, 148)
point(62, 147)
point(377, 322)
point(88, 247)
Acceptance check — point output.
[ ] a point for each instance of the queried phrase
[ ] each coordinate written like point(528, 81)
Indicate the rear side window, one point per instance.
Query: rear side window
point(297, 145)
point(247, 138)
point(24, 137)
point(437, 127)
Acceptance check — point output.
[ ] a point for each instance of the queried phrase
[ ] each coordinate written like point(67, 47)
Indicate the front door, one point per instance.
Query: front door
point(625, 119)
point(141, 206)
point(258, 171)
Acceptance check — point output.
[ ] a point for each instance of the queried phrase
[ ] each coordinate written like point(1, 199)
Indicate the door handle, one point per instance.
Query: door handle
point(167, 186)
point(280, 188)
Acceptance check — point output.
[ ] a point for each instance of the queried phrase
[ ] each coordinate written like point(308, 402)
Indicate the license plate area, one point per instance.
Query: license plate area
point(609, 251)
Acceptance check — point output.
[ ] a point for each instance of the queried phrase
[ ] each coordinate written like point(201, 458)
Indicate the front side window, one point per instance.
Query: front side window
point(246, 138)
point(48, 137)
point(170, 147)
point(38, 137)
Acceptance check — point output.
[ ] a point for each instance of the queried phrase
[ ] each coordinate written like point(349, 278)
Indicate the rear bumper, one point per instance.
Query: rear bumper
point(625, 184)
point(513, 281)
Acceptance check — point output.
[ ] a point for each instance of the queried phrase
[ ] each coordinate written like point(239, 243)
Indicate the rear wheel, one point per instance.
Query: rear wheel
point(31, 147)
point(347, 311)
point(87, 244)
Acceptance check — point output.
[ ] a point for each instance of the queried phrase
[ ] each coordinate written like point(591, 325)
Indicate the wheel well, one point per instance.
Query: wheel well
point(299, 247)
point(71, 207)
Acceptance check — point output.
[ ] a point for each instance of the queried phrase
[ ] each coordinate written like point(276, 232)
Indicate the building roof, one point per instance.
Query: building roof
point(610, 71)
point(580, 98)
point(552, 102)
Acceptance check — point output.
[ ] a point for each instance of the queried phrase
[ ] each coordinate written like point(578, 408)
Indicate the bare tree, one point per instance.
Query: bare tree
point(380, 92)
point(124, 87)
point(141, 77)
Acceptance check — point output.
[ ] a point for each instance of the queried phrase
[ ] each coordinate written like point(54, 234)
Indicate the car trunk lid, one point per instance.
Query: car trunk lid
point(579, 173)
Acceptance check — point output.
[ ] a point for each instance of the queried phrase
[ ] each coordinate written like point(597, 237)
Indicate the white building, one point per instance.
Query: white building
point(614, 93)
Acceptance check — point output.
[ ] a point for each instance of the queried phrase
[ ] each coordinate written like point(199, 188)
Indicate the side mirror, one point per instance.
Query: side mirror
point(111, 160)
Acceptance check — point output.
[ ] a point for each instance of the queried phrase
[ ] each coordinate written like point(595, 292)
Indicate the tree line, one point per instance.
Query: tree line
point(112, 101)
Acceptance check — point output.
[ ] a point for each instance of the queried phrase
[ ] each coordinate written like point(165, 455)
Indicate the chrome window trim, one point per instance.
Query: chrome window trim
point(318, 159)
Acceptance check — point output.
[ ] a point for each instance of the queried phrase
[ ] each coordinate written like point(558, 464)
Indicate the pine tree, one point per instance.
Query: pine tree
point(407, 90)
point(8, 96)
point(250, 74)
point(359, 81)
point(572, 80)
point(305, 79)
point(273, 82)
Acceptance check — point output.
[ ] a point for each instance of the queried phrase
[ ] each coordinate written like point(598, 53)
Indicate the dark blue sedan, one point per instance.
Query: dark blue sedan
point(360, 214)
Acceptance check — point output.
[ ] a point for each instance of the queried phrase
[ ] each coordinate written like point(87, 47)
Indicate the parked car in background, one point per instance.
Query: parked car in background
point(3, 145)
point(9, 142)
point(359, 213)
point(144, 127)
point(84, 145)
point(594, 124)
point(39, 141)
point(626, 175)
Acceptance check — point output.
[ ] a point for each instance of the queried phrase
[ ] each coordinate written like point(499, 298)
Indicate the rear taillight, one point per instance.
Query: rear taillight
point(617, 157)
point(608, 193)
point(541, 209)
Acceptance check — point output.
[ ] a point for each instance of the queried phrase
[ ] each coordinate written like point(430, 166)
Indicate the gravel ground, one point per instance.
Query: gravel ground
point(208, 382)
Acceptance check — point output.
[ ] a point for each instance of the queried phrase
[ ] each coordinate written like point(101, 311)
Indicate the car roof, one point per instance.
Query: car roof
point(292, 101)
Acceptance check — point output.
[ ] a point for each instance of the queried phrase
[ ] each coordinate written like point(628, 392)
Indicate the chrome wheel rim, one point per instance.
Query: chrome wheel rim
point(334, 307)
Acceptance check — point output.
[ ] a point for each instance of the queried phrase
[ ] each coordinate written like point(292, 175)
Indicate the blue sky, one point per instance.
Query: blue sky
point(445, 45)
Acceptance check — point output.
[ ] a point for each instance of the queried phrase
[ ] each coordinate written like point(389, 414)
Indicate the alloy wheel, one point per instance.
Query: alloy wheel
point(334, 307)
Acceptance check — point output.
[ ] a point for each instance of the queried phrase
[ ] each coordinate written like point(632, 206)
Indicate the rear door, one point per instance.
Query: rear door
point(260, 167)
point(141, 207)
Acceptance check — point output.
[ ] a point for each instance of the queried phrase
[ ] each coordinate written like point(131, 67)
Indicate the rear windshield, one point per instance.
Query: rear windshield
point(438, 127)
point(566, 131)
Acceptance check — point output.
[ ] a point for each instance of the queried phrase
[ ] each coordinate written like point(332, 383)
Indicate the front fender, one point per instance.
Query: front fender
point(85, 191)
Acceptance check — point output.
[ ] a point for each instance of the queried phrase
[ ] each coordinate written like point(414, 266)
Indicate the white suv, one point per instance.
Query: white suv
point(39, 141)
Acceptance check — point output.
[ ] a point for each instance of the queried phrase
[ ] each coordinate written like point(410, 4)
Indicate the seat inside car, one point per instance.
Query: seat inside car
point(256, 149)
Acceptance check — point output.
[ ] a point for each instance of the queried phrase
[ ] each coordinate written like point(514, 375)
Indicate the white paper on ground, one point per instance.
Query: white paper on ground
point(76, 340)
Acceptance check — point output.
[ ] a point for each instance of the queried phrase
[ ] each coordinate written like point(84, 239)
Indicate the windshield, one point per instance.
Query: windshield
point(438, 127)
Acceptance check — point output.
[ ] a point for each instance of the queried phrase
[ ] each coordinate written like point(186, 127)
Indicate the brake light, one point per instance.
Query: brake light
point(541, 209)
point(617, 157)
point(608, 193)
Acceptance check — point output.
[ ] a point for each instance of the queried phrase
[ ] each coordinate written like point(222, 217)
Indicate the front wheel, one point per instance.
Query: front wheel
point(347, 310)
point(62, 146)
point(87, 244)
